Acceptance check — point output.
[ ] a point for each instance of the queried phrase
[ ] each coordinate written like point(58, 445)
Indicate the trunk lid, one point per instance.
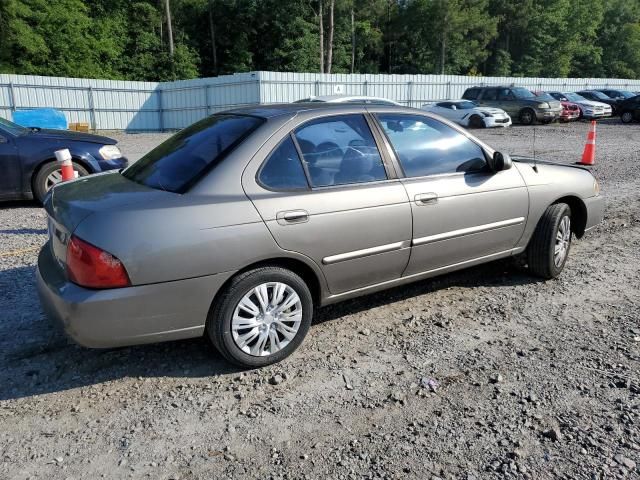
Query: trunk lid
point(70, 203)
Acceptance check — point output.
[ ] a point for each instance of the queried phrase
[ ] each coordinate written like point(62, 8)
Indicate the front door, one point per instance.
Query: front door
point(10, 180)
point(325, 192)
point(461, 210)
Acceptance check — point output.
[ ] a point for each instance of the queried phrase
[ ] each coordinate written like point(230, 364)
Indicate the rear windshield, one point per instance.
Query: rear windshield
point(179, 162)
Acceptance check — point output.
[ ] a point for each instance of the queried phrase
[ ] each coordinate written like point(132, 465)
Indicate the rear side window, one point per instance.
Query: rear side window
point(340, 150)
point(471, 94)
point(425, 146)
point(283, 169)
point(180, 161)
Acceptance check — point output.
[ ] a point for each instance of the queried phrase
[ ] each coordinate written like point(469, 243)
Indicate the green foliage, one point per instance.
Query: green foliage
point(127, 39)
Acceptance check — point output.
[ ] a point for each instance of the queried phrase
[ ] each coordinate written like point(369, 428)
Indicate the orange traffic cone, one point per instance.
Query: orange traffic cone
point(64, 157)
point(589, 154)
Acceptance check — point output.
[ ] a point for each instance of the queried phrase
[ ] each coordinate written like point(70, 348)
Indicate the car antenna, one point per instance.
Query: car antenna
point(535, 160)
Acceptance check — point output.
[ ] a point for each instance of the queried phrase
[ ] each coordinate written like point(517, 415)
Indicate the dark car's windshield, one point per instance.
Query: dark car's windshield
point(181, 160)
point(522, 93)
point(599, 95)
point(12, 128)
point(621, 93)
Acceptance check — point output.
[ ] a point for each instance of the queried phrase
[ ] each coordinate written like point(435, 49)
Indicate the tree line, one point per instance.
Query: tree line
point(163, 40)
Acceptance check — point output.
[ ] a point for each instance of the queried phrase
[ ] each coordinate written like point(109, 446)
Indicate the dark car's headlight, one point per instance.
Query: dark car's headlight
point(110, 152)
point(543, 105)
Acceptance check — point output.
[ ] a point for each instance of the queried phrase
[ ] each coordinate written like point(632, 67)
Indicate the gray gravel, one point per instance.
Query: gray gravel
point(486, 373)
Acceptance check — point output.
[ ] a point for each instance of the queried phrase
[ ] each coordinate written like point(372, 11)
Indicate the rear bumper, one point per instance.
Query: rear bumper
point(125, 316)
point(595, 211)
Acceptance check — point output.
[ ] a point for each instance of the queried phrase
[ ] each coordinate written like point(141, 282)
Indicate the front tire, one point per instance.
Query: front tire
point(476, 122)
point(50, 174)
point(261, 317)
point(626, 117)
point(527, 116)
point(549, 246)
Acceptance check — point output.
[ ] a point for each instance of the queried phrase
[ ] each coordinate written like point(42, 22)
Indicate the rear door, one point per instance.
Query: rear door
point(325, 191)
point(461, 210)
point(10, 166)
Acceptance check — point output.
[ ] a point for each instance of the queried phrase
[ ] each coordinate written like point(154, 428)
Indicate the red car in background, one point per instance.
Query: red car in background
point(570, 110)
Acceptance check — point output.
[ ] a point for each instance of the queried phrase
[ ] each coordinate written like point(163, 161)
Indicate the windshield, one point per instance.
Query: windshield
point(544, 96)
point(599, 95)
point(624, 93)
point(12, 128)
point(465, 105)
point(574, 97)
point(521, 92)
point(181, 160)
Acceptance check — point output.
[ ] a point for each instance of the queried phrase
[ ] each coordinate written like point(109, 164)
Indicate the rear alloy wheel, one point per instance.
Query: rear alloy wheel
point(476, 122)
point(527, 116)
point(261, 317)
point(626, 117)
point(549, 246)
point(49, 175)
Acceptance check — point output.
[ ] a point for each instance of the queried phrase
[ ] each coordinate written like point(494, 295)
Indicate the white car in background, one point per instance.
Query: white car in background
point(469, 114)
point(359, 99)
point(589, 108)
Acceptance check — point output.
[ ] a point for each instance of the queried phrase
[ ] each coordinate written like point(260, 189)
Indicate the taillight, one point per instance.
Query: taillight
point(91, 267)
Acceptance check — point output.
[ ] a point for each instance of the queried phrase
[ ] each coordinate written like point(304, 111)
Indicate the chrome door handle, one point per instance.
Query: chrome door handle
point(426, 198)
point(292, 216)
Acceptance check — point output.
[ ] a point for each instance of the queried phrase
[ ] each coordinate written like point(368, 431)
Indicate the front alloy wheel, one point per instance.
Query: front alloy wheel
point(626, 117)
point(261, 317)
point(549, 246)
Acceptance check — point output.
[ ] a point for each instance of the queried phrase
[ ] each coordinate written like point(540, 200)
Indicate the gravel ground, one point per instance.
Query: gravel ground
point(485, 373)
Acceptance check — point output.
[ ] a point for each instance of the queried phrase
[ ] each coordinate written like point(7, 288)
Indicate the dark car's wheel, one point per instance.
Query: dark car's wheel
point(261, 317)
point(49, 175)
point(527, 116)
point(551, 241)
point(476, 122)
point(626, 117)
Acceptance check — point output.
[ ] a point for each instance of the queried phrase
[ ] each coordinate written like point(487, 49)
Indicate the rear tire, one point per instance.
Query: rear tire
point(626, 117)
point(527, 116)
point(246, 325)
point(45, 178)
point(549, 246)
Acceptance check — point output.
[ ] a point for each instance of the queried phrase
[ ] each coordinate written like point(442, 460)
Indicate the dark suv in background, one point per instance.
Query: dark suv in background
point(522, 105)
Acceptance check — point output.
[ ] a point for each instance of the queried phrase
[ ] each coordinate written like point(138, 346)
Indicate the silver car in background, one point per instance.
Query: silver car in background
point(240, 225)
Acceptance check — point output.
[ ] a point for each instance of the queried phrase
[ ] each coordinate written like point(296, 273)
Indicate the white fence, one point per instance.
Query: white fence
point(150, 106)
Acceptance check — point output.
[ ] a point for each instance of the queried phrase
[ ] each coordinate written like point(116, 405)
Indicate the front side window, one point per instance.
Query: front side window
point(283, 169)
point(425, 146)
point(12, 128)
point(490, 94)
point(340, 150)
point(181, 160)
point(505, 94)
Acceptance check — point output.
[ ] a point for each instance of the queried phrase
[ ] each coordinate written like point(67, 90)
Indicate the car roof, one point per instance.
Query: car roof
point(278, 109)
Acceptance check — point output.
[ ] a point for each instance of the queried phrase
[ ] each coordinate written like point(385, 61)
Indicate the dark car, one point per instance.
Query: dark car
point(598, 96)
point(521, 105)
point(28, 164)
point(629, 109)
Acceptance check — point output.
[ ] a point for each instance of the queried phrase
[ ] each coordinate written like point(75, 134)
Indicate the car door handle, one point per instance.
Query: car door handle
point(426, 198)
point(292, 216)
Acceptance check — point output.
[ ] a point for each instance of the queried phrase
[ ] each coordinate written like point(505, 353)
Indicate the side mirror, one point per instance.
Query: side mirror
point(500, 161)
